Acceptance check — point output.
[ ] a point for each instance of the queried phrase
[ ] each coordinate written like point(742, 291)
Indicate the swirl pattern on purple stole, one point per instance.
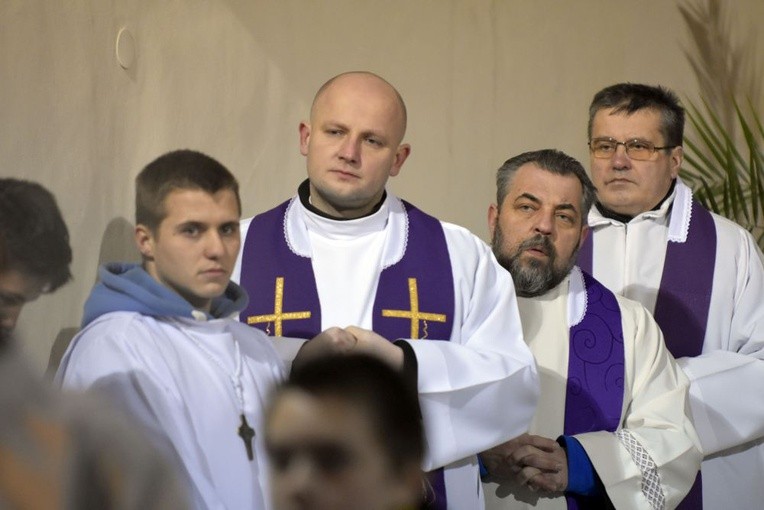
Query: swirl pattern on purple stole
point(594, 396)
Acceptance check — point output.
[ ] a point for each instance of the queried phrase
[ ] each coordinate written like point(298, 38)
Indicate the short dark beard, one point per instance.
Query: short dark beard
point(535, 277)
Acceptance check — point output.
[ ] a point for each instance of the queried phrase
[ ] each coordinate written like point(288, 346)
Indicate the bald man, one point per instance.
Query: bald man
point(345, 252)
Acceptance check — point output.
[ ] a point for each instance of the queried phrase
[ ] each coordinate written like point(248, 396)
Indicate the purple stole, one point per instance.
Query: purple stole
point(415, 296)
point(594, 395)
point(684, 298)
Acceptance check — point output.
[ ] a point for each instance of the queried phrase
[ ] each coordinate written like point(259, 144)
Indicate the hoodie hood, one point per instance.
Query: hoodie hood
point(128, 288)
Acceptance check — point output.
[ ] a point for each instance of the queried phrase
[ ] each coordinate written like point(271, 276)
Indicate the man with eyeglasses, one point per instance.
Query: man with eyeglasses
point(701, 275)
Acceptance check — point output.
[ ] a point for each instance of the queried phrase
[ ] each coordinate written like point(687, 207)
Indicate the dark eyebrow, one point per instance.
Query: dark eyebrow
point(535, 200)
point(528, 196)
point(192, 223)
point(566, 207)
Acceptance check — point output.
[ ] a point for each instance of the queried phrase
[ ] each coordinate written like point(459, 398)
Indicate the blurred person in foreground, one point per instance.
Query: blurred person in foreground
point(59, 451)
point(343, 434)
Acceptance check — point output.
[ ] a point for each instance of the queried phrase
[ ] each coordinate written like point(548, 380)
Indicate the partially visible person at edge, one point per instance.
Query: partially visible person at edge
point(612, 429)
point(701, 275)
point(344, 434)
point(59, 451)
point(35, 253)
point(159, 339)
point(346, 252)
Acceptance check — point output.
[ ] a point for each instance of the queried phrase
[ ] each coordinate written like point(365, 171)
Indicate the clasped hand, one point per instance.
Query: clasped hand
point(537, 462)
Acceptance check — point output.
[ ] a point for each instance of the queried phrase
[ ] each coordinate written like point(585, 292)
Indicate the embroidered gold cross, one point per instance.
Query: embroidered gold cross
point(414, 314)
point(278, 315)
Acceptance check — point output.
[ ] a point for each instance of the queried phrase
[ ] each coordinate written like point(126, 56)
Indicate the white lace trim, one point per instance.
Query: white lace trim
point(285, 227)
point(577, 301)
point(681, 214)
point(651, 479)
point(394, 251)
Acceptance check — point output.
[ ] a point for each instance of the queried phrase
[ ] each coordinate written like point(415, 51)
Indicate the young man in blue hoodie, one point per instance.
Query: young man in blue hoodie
point(158, 338)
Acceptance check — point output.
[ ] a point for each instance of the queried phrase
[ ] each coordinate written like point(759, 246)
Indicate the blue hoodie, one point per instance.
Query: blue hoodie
point(128, 288)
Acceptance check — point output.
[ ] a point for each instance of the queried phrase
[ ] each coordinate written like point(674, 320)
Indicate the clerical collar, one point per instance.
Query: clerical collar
point(625, 218)
point(304, 193)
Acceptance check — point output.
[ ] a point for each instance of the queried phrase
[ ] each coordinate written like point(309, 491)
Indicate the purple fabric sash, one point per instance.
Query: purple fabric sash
point(683, 302)
point(415, 297)
point(283, 300)
point(684, 297)
point(594, 396)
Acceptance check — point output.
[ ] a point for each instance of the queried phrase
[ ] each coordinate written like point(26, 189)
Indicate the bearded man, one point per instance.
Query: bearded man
point(612, 427)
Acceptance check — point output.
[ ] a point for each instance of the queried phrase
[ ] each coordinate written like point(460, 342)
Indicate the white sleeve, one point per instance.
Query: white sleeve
point(655, 453)
point(725, 391)
point(481, 388)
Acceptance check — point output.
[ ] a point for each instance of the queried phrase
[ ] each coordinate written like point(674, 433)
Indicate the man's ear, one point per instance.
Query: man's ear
point(677, 156)
point(144, 240)
point(304, 137)
point(493, 217)
point(401, 154)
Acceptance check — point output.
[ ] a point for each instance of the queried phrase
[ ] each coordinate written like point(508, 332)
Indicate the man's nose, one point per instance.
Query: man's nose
point(350, 151)
point(620, 159)
point(544, 223)
point(214, 246)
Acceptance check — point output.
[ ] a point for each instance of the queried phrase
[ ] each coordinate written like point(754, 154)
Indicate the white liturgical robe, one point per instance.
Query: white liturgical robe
point(654, 418)
point(477, 390)
point(156, 370)
point(726, 379)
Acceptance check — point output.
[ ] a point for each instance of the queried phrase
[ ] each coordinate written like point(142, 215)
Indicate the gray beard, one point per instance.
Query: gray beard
point(534, 277)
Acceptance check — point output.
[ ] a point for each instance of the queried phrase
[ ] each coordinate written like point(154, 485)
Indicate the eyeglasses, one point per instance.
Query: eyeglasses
point(639, 150)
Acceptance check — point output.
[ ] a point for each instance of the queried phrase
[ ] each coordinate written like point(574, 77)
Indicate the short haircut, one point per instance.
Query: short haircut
point(33, 236)
point(632, 97)
point(178, 170)
point(378, 391)
point(550, 160)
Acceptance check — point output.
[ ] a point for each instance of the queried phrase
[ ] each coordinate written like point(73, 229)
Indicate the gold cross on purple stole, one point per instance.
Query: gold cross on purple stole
point(414, 314)
point(278, 315)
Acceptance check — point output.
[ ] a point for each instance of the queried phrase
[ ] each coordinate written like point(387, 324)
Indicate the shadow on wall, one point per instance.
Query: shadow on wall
point(117, 245)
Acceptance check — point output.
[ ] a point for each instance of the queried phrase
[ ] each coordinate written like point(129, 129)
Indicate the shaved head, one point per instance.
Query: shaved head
point(367, 79)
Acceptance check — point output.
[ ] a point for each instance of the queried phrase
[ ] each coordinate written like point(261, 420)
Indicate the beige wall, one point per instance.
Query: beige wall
point(483, 80)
